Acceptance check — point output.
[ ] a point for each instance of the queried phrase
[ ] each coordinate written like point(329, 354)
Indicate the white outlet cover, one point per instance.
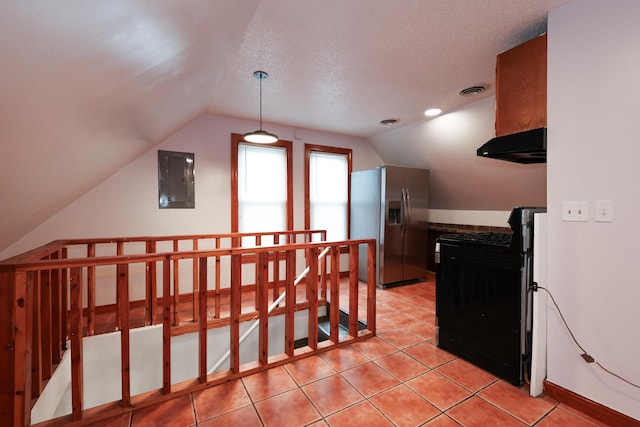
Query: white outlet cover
point(575, 211)
point(581, 209)
point(567, 211)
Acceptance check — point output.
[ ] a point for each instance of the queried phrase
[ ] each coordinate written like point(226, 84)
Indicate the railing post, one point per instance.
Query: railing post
point(75, 326)
point(16, 296)
point(371, 286)
point(125, 353)
point(312, 297)
point(353, 290)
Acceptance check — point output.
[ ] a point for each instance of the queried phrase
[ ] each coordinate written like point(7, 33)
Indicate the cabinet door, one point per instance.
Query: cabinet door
point(521, 87)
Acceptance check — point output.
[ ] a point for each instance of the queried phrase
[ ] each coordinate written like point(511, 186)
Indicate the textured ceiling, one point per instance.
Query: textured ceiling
point(88, 86)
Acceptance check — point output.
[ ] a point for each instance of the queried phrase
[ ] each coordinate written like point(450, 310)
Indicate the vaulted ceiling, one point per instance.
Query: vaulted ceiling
point(86, 86)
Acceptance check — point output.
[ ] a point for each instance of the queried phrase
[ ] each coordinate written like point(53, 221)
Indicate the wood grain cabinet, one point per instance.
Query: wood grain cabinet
point(521, 87)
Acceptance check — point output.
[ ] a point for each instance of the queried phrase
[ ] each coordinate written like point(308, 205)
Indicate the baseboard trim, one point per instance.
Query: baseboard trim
point(588, 406)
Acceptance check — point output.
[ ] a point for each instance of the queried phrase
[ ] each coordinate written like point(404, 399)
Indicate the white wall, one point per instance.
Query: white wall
point(460, 180)
point(102, 362)
point(126, 204)
point(593, 152)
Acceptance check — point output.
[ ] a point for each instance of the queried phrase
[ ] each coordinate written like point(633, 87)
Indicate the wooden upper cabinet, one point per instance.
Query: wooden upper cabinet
point(521, 87)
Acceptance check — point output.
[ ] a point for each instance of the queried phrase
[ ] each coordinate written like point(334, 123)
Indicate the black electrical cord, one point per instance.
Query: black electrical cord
point(588, 358)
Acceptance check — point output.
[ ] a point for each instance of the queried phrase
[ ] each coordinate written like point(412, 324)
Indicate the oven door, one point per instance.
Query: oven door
point(478, 307)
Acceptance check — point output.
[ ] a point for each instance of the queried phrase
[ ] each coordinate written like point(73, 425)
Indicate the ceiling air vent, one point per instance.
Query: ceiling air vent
point(388, 122)
point(473, 90)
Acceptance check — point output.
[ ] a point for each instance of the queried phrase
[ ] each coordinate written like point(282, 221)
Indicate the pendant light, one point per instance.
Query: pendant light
point(260, 136)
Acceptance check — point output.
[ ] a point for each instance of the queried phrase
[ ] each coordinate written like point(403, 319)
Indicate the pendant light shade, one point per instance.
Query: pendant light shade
point(260, 136)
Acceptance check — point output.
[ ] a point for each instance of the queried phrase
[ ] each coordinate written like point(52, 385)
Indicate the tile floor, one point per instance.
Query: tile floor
point(398, 378)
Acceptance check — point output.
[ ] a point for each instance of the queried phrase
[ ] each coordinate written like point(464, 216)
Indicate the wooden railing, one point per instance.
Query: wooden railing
point(48, 301)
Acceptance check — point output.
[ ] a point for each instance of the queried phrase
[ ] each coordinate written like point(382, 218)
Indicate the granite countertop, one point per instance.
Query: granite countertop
point(460, 228)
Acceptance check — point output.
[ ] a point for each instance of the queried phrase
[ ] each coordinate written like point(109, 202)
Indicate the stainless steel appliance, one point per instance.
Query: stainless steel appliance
point(390, 204)
point(483, 303)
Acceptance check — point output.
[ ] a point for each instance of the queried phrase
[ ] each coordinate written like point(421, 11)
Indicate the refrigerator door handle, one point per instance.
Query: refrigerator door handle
point(403, 212)
point(407, 211)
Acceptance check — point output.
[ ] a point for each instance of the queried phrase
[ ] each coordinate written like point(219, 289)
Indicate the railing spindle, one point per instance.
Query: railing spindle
point(176, 286)
point(47, 346)
point(119, 252)
point(91, 291)
point(262, 291)
point(195, 281)
point(37, 382)
point(56, 312)
point(151, 279)
point(202, 296)
point(290, 298)
point(65, 301)
point(166, 326)
point(235, 310)
point(216, 309)
point(334, 306)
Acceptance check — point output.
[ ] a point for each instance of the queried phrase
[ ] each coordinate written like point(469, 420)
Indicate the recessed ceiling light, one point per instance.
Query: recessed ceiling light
point(431, 112)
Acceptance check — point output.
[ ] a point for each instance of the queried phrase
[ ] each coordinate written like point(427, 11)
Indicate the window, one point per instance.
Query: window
point(327, 186)
point(261, 187)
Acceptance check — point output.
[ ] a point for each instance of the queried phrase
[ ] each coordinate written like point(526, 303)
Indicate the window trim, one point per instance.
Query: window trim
point(308, 149)
point(236, 140)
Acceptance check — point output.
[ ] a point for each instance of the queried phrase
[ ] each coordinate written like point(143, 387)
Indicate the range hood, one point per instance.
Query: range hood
point(524, 147)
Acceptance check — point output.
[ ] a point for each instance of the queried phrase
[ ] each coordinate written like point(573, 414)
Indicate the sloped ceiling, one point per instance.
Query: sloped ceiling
point(88, 86)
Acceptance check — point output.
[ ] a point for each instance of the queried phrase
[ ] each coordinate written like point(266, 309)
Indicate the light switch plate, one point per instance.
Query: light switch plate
point(604, 211)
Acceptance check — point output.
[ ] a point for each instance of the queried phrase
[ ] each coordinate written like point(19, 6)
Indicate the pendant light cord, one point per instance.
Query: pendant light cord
point(261, 77)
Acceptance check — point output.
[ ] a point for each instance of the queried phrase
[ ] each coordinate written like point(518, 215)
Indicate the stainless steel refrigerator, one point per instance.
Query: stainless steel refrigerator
point(391, 204)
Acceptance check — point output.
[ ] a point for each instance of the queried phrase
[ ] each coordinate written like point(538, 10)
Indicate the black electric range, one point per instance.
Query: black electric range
point(483, 307)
